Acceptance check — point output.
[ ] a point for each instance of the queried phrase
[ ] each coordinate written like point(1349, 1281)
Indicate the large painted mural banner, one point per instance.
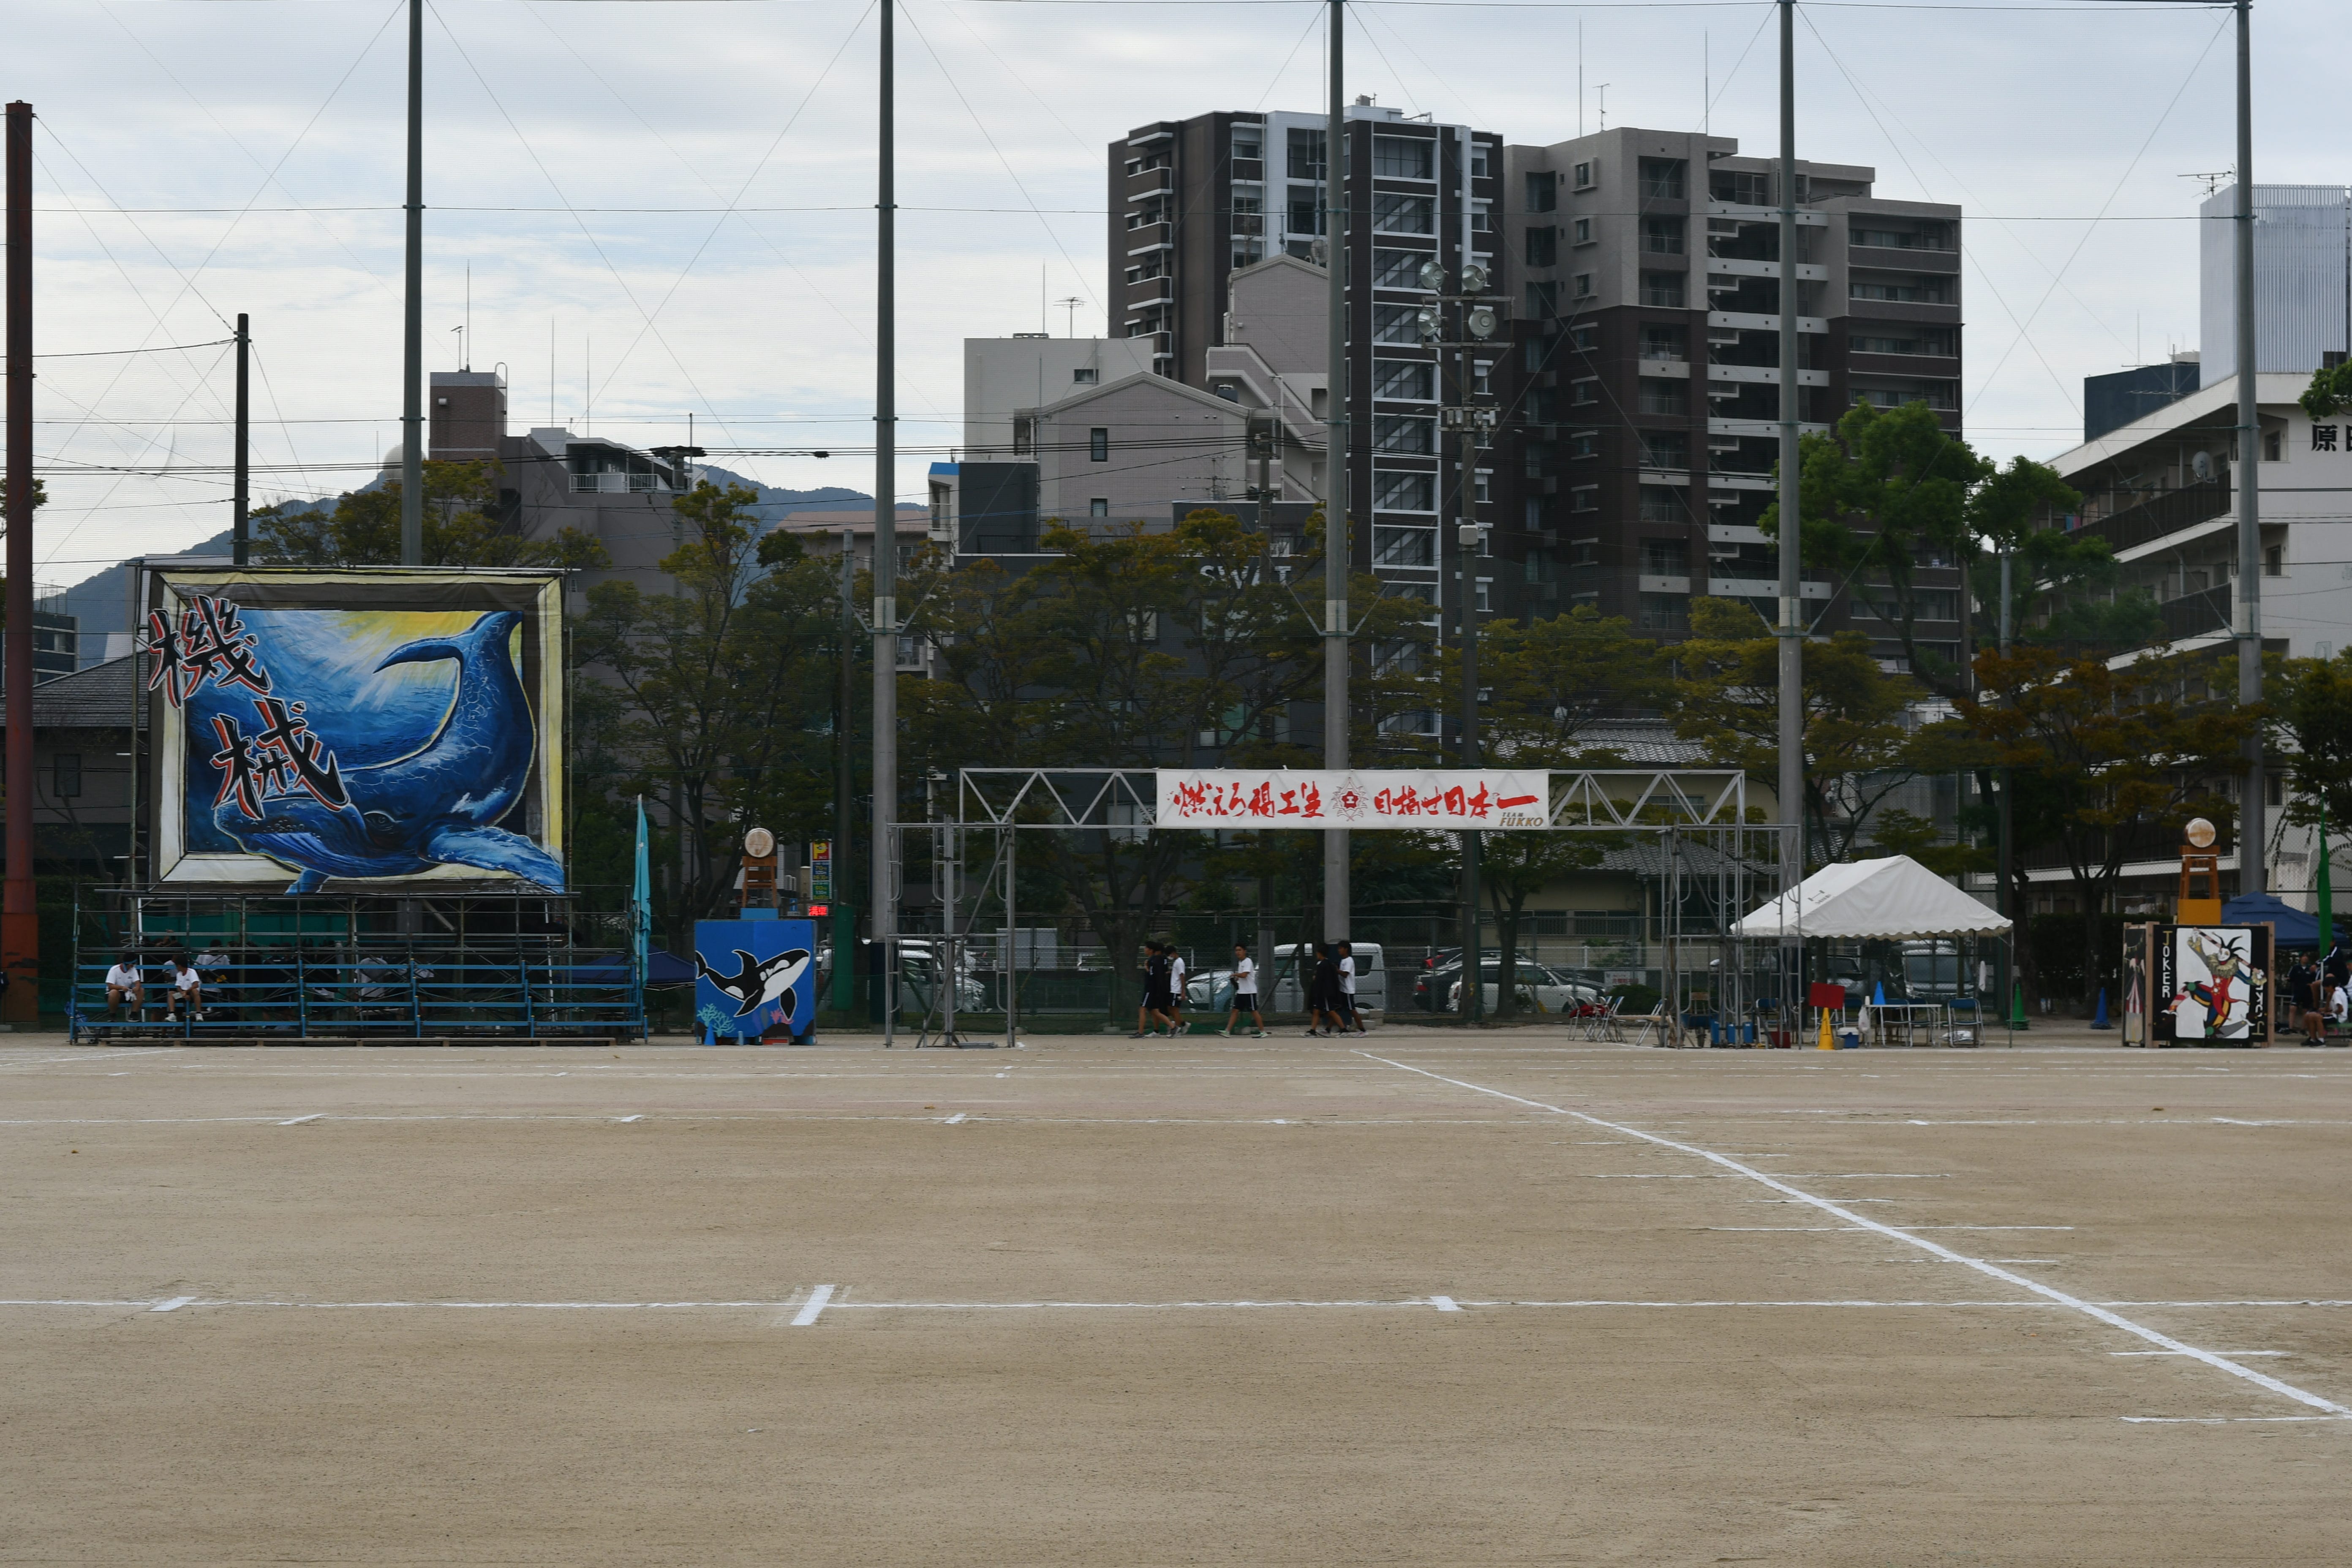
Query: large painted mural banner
point(364, 728)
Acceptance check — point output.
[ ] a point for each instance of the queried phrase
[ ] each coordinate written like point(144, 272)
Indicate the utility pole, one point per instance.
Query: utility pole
point(2004, 862)
point(1335, 487)
point(20, 920)
point(412, 381)
point(240, 531)
point(845, 784)
point(1792, 783)
point(884, 894)
point(2254, 835)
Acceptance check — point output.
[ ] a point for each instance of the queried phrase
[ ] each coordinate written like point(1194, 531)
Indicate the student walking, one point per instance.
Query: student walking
point(1156, 1004)
point(2303, 996)
point(1346, 993)
point(1322, 996)
point(1244, 993)
point(1175, 988)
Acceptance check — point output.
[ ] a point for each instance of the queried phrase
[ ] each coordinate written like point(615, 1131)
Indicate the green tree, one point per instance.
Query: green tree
point(714, 690)
point(2312, 732)
point(362, 529)
point(2111, 756)
point(1550, 683)
point(1859, 744)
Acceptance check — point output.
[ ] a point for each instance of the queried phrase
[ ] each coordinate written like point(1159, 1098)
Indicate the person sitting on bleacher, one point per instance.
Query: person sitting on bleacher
point(212, 967)
point(187, 990)
point(125, 983)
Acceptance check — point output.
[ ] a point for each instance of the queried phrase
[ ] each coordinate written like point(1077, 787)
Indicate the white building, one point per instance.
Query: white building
point(1030, 370)
point(2300, 278)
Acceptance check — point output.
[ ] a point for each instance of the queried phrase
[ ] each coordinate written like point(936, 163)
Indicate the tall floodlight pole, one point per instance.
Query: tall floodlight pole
point(20, 920)
point(1335, 489)
point(1792, 781)
point(884, 899)
point(240, 528)
point(412, 352)
point(2252, 830)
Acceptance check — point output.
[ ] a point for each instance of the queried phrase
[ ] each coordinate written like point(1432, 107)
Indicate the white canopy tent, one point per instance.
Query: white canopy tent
point(1894, 899)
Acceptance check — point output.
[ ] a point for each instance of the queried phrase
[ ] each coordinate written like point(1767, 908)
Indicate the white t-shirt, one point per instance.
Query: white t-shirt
point(182, 979)
point(1176, 977)
point(1348, 975)
point(1245, 978)
point(123, 974)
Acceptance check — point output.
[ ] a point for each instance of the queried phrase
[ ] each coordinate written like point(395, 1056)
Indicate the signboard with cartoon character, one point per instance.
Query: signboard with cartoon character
point(2212, 984)
point(374, 727)
point(754, 979)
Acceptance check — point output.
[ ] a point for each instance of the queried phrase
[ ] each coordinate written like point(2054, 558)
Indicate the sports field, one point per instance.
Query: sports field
point(1406, 1299)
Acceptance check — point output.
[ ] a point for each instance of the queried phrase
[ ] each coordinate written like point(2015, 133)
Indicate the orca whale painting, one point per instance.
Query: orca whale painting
point(358, 729)
point(755, 979)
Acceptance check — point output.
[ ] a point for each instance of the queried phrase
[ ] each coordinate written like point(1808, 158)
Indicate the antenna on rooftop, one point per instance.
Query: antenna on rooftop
point(2214, 179)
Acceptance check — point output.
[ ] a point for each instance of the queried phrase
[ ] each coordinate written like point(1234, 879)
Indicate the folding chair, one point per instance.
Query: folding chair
point(1651, 1029)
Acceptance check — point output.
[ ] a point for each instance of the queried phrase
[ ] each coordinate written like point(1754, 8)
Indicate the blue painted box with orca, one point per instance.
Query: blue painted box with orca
point(368, 728)
point(754, 979)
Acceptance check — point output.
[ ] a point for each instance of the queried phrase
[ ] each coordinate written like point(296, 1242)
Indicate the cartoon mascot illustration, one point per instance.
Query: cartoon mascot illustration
point(2215, 1008)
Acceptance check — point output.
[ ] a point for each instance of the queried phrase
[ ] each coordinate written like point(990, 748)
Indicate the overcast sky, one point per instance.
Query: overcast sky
point(197, 159)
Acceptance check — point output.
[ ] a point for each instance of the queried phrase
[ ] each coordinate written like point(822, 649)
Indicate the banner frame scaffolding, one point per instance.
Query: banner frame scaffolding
point(1677, 804)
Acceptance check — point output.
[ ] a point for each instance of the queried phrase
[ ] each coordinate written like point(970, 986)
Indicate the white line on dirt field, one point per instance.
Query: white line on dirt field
point(298, 1121)
point(815, 1305)
point(1894, 1232)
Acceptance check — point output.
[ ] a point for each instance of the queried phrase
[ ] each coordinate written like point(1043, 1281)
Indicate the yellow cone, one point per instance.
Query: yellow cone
point(1827, 1043)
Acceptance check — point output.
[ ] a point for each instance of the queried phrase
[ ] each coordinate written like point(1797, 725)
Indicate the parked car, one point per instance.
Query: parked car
point(1441, 976)
point(1540, 987)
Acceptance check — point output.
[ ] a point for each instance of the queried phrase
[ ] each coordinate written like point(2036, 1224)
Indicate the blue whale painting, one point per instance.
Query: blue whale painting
point(339, 777)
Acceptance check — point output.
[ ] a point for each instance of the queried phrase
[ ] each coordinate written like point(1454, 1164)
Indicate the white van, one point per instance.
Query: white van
point(1372, 978)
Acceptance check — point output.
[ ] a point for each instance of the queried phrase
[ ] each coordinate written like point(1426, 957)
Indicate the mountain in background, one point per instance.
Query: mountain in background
point(100, 602)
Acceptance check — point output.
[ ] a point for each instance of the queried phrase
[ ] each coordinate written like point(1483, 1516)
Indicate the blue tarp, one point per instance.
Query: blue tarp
point(2295, 928)
point(666, 968)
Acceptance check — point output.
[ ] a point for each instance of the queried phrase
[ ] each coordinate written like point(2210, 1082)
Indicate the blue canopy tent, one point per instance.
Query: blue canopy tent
point(2297, 928)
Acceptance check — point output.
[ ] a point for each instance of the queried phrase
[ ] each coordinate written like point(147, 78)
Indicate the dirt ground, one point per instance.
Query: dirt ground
point(1409, 1299)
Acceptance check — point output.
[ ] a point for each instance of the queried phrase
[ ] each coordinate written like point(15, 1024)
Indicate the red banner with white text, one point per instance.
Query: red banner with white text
point(1446, 798)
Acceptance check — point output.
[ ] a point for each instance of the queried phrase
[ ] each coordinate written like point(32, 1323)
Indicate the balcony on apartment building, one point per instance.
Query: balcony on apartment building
point(2128, 517)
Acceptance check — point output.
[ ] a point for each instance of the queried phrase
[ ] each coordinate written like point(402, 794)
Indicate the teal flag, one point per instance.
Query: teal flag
point(641, 899)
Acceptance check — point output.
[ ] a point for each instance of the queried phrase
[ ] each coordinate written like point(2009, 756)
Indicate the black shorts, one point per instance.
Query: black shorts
point(1244, 1001)
point(1341, 1002)
point(1159, 1001)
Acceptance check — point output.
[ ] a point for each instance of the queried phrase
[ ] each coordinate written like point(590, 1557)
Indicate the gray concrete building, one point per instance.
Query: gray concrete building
point(2300, 279)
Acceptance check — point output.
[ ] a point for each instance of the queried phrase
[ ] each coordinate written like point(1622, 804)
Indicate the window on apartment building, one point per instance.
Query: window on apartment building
point(2271, 449)
point(1396, 324)
point(1664, 342)
point(1249, 140)
point(1584, 171)
point(1904, 290)
point(1394, 212)
point(1663, 289)
point(1662, 178)
point(1405, 380)
point(1098, 506)
point(1024, 435)
point(1584, 286)
point(1098, 445)
point(1584, 553)
point(1482, 383)
point(1662, 503)
point(1412, 433)
point(65, 775)
point(1481, 159)
point(1543, 190)
point(2274, 560)
point(1933, 341)
point(1398, 268)
point(1663, 236)
point(1482, 217)
point(1582, 231)
point(1665, 449)
point(1483, 492)
point(1661, 396)
point(1584, 389)
point(1249, 215)
point(1306, 210)
point(1584, 443)
point(1404, 157)
point(1663, 613)
point(1925, 236)
point(1394, 490)
point(1584, 498)
point(1086, 376)
point(1543, 246)
point(1404, 546)
point(1543, 299)
point(1665, 557)
point(1584, 339)
point(1306, 155)
point(1740, 190)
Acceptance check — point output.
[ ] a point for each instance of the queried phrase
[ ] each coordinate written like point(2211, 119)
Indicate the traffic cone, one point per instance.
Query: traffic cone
point(1828, 1042)
point(2099, 1020)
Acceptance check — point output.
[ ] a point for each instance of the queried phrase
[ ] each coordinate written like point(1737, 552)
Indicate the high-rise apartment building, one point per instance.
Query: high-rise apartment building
point(1645, 390)
point(1195, 201)
point(2303, 278)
